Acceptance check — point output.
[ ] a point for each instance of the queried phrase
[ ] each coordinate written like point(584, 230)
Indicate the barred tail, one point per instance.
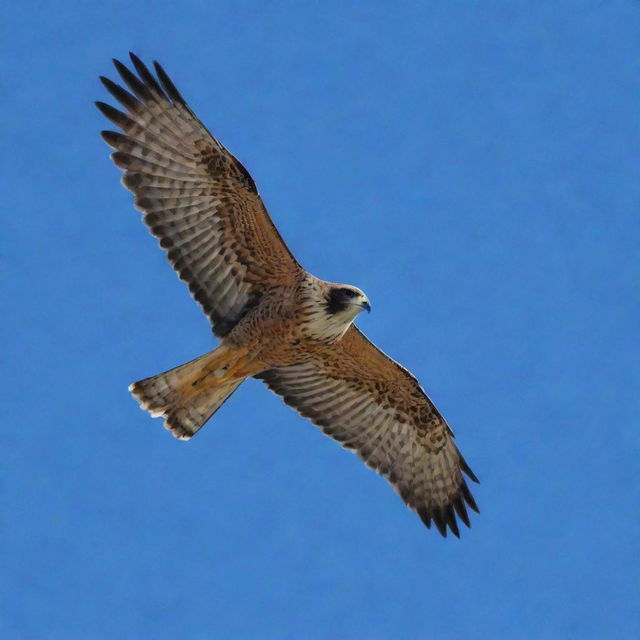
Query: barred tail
point(187, 396)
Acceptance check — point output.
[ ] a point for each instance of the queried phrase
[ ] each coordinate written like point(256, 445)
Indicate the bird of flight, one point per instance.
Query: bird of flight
point(276, 321)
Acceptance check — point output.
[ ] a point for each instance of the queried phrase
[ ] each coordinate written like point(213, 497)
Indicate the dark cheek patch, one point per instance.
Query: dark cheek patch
point(336, 302)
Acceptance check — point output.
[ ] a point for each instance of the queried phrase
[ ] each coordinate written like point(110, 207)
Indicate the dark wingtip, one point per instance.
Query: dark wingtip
point(440, 523)
point(124, 97)
point(425, 516)
point(106, 109)
point(444, 518)
point(449, 518)
point(145, 75)
point(446, 515)
point(167, 83)
point(112, 138)
point(466, 494)
point(120, 68)
point(117, 117)
point(467, 469)
point(461, 510)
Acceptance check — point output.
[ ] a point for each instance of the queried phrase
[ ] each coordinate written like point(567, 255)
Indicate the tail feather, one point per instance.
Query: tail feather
point(183, 397)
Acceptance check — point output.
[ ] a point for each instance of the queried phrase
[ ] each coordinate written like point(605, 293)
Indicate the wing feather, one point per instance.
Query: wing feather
point(198, 200)
point(369, 403)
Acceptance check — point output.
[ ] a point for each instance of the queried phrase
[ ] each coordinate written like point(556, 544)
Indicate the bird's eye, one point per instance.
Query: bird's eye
point(350, 293)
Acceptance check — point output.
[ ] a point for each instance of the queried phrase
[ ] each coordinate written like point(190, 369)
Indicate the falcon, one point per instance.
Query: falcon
point(276, 322)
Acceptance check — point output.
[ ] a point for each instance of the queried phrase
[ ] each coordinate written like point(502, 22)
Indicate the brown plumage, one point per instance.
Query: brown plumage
point(277, 322)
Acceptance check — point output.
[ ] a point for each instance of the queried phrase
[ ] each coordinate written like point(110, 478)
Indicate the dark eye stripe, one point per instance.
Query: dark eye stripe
point(349, 292)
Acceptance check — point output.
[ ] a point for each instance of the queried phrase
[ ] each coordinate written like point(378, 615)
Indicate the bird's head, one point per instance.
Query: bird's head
point(331, 308)
point(346, 301)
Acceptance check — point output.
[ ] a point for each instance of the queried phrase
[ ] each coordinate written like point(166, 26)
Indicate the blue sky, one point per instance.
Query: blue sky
point(474, 168)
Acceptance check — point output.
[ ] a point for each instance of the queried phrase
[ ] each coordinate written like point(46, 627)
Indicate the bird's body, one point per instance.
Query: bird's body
point(276, 321)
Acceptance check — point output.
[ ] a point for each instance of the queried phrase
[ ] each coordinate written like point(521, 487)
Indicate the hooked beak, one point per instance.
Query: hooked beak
point(365, 305)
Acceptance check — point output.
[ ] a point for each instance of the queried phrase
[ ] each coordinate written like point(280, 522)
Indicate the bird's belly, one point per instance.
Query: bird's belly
point(279, 334)
point(284, 346)
point(270, 337)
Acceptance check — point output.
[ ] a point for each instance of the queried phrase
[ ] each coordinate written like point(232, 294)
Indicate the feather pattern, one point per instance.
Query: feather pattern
point(369, 403)
point(198, 200)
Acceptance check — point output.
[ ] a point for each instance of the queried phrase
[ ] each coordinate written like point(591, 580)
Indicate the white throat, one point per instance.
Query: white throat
point(328, 328)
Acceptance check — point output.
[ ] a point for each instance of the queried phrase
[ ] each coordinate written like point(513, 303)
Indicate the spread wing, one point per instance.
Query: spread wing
point(369, 403)
point(198, 200)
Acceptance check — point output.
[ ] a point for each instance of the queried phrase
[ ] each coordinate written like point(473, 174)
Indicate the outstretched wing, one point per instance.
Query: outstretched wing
point(369, 403)
point(198, 200)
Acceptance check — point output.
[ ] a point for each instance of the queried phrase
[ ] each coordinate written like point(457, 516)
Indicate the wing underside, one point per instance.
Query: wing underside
point(368, 403)
point(197, 199)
